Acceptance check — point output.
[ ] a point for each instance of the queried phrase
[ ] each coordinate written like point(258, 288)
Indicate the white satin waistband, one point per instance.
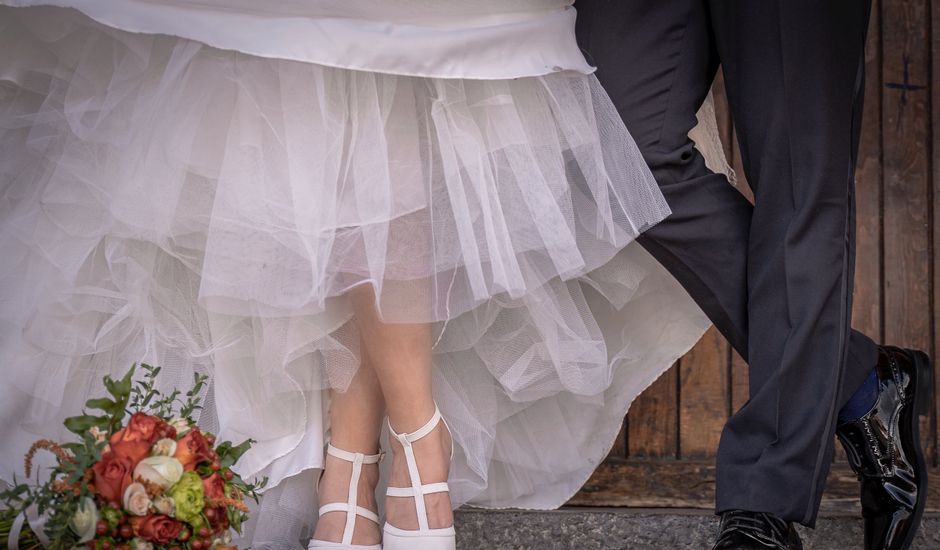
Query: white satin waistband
point(485, 46)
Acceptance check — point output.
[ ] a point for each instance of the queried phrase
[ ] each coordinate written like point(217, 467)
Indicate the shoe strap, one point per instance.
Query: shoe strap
point(351, 506)
point(430, 488)
point(343, 507)
point(352, 457)
point(407, 439)
point(417, 489)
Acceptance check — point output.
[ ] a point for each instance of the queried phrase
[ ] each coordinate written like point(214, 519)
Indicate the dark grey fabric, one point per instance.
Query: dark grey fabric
point(776, 277)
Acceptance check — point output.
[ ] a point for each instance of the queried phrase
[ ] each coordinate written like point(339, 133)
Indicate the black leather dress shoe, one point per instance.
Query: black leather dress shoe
point(741, 530)
point(884, 450)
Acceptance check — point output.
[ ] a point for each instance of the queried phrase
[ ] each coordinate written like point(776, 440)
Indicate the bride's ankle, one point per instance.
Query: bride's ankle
point(334, 488)
point(334, 483)
point(432, 455)
point(411, 418)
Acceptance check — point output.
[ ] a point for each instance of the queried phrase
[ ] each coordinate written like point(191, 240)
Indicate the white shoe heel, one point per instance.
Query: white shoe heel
point(351, 506)
point(424, 538)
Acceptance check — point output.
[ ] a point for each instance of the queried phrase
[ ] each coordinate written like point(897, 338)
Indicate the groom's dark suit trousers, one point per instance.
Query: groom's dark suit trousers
point(775, 277)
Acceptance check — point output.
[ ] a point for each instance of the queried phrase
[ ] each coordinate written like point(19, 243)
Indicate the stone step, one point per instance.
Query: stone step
point(640, 529)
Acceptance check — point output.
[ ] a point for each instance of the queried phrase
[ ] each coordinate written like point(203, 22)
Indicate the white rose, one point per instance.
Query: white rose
point(162, 471)
point(164, 447)
point(136, 500)
point(98, 434)
point(165, 505)
point(140, 544)
point(85, 520)
point(181, 425)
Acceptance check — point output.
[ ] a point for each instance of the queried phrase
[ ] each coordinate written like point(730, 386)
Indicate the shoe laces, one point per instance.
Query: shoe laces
point(761, 526)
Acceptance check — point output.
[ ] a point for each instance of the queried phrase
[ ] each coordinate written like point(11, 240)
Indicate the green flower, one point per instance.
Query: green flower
point(189, 497)
point(112, 516)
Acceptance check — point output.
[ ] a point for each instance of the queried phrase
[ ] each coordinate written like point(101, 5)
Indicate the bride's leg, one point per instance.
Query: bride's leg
point(355, 425)
point(401, 355)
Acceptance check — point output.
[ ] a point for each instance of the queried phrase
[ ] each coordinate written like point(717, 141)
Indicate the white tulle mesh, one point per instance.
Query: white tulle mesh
point(207, 211)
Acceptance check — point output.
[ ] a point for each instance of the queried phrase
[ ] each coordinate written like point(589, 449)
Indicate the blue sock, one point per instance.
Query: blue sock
point(861, 401)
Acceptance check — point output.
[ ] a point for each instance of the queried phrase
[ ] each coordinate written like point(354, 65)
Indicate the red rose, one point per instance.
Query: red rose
point(113, 475)
point(214, 487)
point(218, 519)
point(193, 449)
point(155, 528)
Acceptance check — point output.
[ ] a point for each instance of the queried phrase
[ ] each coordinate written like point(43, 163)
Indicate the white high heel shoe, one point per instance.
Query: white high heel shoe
point(424, 538)
point(351, 506)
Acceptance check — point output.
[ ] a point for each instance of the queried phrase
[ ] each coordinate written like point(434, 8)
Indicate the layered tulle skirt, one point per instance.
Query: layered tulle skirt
point(209, 211)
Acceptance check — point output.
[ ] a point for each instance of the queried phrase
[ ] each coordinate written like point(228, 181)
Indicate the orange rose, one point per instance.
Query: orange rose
point(156, 528)
point(112, 475)
point(214, 487)
point(193, 449)
point(135, 451)
point(135, 440)
point(144, 427)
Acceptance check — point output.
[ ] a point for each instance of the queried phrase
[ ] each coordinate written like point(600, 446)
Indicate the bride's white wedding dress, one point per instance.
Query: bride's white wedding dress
point(197, 184)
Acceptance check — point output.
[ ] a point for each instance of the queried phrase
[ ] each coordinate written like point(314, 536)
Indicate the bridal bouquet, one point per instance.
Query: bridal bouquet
point(142, 476)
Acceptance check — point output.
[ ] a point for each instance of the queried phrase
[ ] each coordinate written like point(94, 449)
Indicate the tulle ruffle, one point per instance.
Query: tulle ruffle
point(208, 211)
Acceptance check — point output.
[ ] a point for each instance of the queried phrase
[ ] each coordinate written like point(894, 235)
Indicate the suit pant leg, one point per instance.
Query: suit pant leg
point(656, 59)
point(794, 75)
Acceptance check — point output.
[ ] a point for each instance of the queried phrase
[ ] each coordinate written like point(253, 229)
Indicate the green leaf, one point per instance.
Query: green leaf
point(81, 424)
point(113, 389)
point(124, 386)
point(74, 448)
point(102, 403)
point(229, 454)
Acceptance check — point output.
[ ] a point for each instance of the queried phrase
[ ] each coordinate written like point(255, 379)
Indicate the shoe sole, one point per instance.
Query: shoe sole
point(392, 541)
point(923, 392)
point(795, 542)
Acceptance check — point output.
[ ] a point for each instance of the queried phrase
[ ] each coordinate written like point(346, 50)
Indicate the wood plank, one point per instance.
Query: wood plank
point(619, 448)
point(906, 176)
point(935, 135)
point(691, 484)
point(866, 313)
point(739, 382)
point(654, 483)
point(652, 425)
point(704, 396)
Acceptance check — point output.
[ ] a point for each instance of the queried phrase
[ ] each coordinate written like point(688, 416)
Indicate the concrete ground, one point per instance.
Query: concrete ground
point(639, 529)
